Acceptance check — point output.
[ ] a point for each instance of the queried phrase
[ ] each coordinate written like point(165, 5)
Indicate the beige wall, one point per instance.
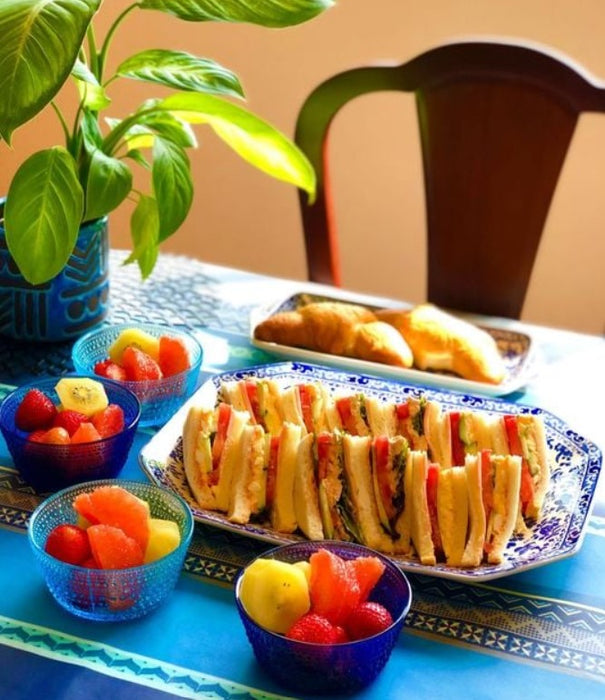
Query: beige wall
point(243, 218)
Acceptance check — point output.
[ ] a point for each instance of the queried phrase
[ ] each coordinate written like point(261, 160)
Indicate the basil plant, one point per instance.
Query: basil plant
point(45, 44)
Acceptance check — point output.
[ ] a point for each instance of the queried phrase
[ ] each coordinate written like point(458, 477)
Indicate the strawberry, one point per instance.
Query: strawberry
point(315, 629)
point(35, 412)
point(111, 370)
point(70, 420)
point(68, 543)
point(109, 421)
point(368, 619)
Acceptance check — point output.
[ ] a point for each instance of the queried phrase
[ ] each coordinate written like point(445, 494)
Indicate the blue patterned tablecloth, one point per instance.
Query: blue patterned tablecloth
point(537, 634)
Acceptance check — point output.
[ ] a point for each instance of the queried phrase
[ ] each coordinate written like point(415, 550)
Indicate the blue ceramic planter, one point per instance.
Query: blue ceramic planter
point(67, 306)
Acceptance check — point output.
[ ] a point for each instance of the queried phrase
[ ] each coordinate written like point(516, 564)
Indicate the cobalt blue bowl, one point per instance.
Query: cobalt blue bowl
point(336, 668)
point(49, 467)
point(160, 398)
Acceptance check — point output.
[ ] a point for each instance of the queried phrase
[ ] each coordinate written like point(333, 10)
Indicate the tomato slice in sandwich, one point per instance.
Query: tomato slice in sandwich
point(343, 405)
point(381, 465)
point(324, 442)
point(432, 482)
point(222, 425)
point(251, 388)
point(455, 440)
point(306, 404)
point(516, 448)
point(272, 469)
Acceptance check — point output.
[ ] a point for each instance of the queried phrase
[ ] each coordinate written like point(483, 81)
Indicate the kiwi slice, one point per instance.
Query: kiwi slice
point(81, 394)
point(140, 339)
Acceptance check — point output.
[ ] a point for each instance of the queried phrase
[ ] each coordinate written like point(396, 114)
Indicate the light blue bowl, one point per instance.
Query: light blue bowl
point(161, 398)
point(337, 668)
point(110, 595)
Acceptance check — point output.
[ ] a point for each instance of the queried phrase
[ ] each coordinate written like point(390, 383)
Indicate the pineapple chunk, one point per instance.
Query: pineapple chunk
point(164, 537)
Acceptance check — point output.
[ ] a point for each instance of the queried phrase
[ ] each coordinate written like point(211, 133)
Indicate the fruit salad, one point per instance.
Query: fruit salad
point(113, 530)
point(324, 600)
point(83, 414)
point(139, 356)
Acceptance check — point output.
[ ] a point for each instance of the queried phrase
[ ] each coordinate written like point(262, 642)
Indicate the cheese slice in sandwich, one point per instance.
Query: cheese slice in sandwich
point(361, 493)
point(388, 458)
point(282, 512)
point(306, 493)
point(421, 522)
point(453, 513)
point(505, 479)
point(473, 552)
point(248, 493)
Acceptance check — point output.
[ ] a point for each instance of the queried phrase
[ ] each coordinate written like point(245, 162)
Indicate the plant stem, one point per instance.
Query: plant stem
point(53, 104)
point(92, 49)
point(112, 30)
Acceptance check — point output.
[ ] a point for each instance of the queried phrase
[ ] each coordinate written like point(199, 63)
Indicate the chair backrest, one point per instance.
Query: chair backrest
point(496, 120)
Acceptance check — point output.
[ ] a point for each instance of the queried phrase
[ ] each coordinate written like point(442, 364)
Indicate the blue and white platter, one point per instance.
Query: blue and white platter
point(575, 467)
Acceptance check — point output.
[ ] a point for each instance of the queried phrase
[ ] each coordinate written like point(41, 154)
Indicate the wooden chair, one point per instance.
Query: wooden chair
point(495, 121)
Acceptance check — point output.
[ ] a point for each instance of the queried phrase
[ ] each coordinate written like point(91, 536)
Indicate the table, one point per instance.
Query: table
point(540, 633)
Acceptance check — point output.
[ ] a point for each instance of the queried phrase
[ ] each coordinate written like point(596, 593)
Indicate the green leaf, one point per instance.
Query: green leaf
point(250, 137)
point(182, 71)
point(170, 127)
point(108, 183)
point(39, 45)
point(267, 13)
point(144, 228)
point(92, 95)
point(43, 213)
point(172, 185)
point(91, 132)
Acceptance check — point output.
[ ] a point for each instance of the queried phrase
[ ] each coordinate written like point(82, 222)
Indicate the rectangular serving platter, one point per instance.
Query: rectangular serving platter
point(575, 467)
point(517, 350)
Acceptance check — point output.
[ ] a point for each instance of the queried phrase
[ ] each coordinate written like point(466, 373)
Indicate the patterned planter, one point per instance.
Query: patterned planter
point(67, 306)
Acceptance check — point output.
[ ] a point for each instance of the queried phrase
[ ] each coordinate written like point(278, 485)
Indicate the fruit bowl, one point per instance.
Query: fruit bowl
point(308, 667)
point(110, 595)
point(159, 398)
point(52, 466)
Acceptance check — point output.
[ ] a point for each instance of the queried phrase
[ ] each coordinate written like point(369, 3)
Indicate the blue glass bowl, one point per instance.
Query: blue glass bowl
point(110, 595)
point(53, 467)
point(336, 668)
point(159, 398)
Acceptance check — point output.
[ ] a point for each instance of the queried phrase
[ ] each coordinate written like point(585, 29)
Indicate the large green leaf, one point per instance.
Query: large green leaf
point(181, 70)
point(43, 213)
point(253, 139)
point(39, 43)
point(144, 228)
point(108, 184)
point(172, 185)
point(267, 13)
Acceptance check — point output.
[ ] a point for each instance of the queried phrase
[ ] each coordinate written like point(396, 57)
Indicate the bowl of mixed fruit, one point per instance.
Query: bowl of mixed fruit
point(160, 364)
point(62, 431)
point(111, 550)
point(323, 616)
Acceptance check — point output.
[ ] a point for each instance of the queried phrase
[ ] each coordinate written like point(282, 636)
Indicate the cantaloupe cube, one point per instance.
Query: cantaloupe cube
point(164, 537)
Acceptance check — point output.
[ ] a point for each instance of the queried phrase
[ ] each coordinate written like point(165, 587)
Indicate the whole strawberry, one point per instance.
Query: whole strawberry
point(368, 619)
point(68, 543)
point(35, 412)
point(316, 629)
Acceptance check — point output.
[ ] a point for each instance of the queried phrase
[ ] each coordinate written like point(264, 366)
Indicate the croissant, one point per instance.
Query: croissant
point(440, 341)
point(337, 328)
